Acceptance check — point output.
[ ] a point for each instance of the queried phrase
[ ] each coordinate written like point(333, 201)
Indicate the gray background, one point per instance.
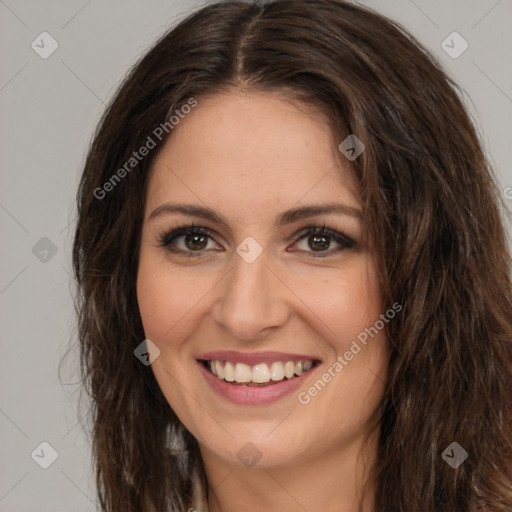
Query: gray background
point(49, 110)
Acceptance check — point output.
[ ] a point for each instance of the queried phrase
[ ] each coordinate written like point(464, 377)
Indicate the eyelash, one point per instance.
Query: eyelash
point(167, 237)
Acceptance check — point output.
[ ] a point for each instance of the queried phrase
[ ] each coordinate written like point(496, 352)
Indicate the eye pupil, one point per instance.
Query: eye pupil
point(197, 241)
point(322, 240)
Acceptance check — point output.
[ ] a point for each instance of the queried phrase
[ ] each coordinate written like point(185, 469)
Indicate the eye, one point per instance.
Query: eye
point(319, 240)
point(188, 240)
point(194, 241)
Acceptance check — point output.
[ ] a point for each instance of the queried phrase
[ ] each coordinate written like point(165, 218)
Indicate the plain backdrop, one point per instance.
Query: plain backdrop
point(49, 109)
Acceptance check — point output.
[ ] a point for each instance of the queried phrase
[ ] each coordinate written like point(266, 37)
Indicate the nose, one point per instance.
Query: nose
point(252, 300)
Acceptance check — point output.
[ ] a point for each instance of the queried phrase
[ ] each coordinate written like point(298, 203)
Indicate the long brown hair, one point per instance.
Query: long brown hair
point(434, 216)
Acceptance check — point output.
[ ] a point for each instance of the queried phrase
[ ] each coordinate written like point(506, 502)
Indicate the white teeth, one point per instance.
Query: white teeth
point(243, 372)
point(289, 369)
point(259, 373)
point(220, 370)
point(229, 372)
point(277, 371)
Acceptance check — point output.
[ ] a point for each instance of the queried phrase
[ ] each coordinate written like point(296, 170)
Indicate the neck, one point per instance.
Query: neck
point(330, 482)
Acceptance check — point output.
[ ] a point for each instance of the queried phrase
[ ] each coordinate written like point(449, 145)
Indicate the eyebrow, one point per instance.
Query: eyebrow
point(287, 217)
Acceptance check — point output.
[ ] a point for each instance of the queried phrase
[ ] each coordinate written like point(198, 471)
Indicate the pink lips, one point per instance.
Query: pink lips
point(254, 395)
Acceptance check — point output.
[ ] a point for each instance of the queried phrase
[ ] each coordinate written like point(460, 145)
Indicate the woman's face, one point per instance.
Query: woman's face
point(255, 290)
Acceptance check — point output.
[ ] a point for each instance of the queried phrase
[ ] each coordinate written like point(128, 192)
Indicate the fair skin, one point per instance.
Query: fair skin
point(250, 157)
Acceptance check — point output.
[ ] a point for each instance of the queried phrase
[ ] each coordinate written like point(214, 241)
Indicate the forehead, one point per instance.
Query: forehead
point(262, 145)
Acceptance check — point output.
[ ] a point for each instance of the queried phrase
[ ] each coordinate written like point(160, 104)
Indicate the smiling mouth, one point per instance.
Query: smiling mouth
point(259, 375)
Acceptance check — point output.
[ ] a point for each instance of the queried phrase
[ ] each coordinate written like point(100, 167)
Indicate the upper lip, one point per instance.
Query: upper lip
point(253, 358)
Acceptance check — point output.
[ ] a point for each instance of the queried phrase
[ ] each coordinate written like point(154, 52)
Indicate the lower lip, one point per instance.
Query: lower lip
point(253, 395)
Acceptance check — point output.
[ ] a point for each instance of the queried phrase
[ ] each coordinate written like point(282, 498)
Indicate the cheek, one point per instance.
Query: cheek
point(167, 297)
point(169, 305)
point(340, 302)
point(346, 310)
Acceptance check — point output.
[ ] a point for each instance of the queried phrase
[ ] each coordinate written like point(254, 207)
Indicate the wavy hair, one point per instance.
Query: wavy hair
point(435, 220)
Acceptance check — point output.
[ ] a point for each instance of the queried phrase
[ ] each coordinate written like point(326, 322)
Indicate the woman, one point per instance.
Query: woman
point(294, 285)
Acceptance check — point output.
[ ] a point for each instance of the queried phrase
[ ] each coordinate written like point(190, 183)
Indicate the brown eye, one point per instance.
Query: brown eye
point(196, 242)
point(320, 241)
point(188, 240)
